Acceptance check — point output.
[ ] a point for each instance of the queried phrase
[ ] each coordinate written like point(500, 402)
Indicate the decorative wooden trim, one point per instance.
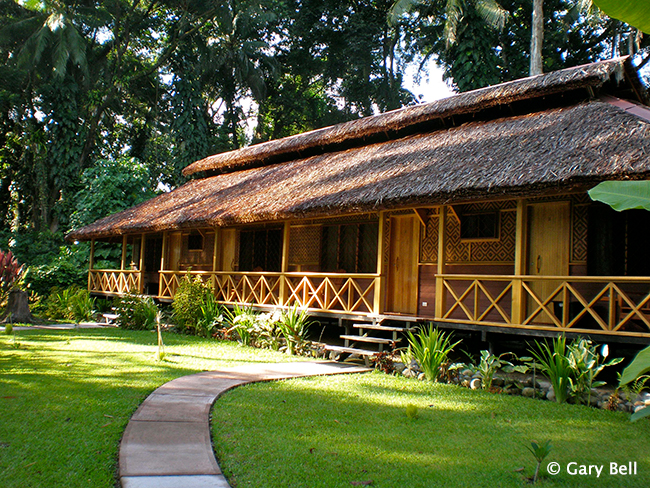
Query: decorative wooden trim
point(422, 214)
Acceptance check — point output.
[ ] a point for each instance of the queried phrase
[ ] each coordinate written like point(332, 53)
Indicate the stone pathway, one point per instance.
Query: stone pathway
point(167, 443)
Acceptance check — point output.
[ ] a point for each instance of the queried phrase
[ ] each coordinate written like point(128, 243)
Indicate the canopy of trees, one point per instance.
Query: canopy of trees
point(107, 98)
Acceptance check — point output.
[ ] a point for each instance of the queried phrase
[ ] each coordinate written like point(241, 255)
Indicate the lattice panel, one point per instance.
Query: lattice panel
point(579, 233)
point(386, 256)
point(429, 241)
point(457, 251)
point(305, 245)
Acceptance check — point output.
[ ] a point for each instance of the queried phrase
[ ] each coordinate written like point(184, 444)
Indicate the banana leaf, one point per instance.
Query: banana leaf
point(623, 195)
point(639, 365)
point(634, 12)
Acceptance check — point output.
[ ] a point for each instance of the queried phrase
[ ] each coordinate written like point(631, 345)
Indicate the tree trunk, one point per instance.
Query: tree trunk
point(537, 38)
point(17, 308)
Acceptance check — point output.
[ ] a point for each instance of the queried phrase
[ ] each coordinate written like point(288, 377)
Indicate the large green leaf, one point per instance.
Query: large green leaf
point(638, 366)
point(623, 195)
point(634, 12)
point(644, 412)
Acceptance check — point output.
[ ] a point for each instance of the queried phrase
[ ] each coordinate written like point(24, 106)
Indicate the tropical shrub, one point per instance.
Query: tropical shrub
point(72, 303)
point(10, 272)
point(136, 312)
point(211, 317)
point(430, 348)
point(636, 369)
point(489, 364)
point(191, 296)
point(585, 362)
point(243, 320)
point(553, 361)
point(294, 326)
point(572, 368)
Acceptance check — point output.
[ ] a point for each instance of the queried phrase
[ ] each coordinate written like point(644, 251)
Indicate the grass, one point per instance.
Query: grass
point(66, 397)
point(339, 431)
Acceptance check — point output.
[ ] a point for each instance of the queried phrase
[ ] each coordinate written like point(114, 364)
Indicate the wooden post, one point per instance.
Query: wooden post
point(215, 251)
point(141, 265)
point(92, 254)
point(518, 314)
point(380, 281)
point(123, 260)
point(285, 263)
point(163, 259)
point(91, 263)
point(442, 257)
point(163, 263)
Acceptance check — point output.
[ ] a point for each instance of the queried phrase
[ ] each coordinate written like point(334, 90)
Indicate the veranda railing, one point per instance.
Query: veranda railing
point(609, 304)
point(315, 291)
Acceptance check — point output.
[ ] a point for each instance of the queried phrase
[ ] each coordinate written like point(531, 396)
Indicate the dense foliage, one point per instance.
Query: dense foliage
point(103, 103)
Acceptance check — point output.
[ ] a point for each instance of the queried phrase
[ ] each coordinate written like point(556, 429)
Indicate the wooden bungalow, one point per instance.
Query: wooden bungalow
point(470, 212)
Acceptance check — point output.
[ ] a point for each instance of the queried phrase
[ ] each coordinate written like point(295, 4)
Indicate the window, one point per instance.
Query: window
point(195, 242)
point(349, 248)
point(479, 225)
point(617, 242)
point(260, 250)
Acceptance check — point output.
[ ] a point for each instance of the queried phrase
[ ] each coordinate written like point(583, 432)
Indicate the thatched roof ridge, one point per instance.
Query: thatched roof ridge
point(548, 151)
point(300, 145)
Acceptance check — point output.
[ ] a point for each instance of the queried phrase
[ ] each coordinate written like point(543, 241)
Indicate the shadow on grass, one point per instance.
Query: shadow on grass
point(329, 432)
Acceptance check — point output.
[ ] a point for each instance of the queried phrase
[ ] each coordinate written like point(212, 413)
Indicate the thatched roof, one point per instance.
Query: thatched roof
point(409, 120)
point(549, 150)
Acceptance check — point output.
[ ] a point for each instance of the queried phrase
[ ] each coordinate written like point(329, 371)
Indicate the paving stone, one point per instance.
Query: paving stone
point(167, 441)
point(167, 448)
point(218, 481)
point(175, 408)
point(197, 386)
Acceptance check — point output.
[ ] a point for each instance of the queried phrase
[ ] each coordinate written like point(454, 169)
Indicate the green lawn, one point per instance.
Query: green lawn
point(66, 397)
point(340, 430)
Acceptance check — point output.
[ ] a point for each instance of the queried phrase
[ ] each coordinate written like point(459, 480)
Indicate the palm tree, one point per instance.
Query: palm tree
point(489, 10)
point(239, 57)
point(537, 38)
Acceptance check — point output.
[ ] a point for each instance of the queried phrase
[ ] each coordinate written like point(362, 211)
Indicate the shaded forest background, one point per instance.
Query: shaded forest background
point(102, 103)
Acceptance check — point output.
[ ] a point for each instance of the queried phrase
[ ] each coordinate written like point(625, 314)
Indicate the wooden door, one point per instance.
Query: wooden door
point(402, 290)
point(548, 250)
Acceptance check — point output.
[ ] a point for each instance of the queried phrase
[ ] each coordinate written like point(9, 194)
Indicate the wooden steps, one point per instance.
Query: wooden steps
point(350, 340)
point(374, 340)
point(381, 327)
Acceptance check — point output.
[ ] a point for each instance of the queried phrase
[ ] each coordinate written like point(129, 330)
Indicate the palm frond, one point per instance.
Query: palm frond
point(492, 13)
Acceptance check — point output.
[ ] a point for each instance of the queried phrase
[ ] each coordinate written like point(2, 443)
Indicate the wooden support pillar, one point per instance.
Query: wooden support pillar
point(92, 255)
point(141, 265)
point(163, 263)
point(91, 263)
point(123, 259)
point(518, 296)
point(380, 281)
point(440, 286)
point(163, 254)
point(285, 264)
point(215, 251)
